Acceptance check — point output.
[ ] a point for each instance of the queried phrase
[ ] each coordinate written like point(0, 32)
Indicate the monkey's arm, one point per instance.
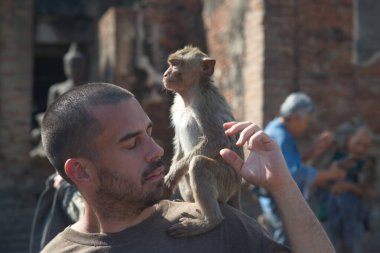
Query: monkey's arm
point(180, 163)
point(178, 151)
point(212, 142)
point(213, 138)
point(177, 169)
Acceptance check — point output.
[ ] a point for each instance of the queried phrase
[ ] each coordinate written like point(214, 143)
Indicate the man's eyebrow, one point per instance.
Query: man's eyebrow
point(128, 136)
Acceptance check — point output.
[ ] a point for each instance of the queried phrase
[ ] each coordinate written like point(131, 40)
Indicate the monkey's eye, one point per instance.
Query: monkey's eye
point(175, 63)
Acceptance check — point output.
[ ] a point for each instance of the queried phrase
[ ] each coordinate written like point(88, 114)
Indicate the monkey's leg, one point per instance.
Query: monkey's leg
point(203, 174)
point(175, 174)
point(235, 200)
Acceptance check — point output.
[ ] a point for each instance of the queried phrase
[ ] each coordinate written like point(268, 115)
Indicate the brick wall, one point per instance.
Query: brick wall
point(254, 63)
point(15, 84)
point(116, 37)
point(225, 23)
point(16, 206)
point(309, 47)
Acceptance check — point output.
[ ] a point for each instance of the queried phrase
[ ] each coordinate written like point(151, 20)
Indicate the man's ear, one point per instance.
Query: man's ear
point(77, 171)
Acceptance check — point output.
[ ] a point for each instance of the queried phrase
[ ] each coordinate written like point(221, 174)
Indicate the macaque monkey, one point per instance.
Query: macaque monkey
point(197, 115)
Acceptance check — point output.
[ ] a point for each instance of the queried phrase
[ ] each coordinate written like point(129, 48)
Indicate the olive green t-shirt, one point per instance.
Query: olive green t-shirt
point(236, 233)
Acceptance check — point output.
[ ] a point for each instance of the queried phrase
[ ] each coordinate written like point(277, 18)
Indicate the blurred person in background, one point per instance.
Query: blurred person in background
point(296, 114)
point(344, 205)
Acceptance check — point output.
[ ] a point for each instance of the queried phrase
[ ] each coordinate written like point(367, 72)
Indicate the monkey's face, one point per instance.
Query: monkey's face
point(181, 74)
point(173, 76)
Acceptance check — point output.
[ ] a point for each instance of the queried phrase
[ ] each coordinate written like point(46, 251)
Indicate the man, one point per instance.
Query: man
point(98, 137)
point(295, 116)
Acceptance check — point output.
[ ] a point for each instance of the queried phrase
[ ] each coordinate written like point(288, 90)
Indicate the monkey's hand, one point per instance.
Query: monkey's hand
point(176, 172)
point(168, 187)
point(265, 165)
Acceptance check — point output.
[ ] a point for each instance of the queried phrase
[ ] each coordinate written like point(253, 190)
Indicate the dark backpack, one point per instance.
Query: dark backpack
point(50, 217)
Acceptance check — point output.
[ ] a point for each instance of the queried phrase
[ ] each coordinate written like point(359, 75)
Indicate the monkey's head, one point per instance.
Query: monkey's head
point(188, 67)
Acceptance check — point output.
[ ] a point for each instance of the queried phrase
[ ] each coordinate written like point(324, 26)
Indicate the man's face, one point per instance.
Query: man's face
point(130, 172)
point(301, 123)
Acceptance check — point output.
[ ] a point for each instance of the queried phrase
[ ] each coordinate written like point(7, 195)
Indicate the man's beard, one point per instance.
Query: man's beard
point(119, 197)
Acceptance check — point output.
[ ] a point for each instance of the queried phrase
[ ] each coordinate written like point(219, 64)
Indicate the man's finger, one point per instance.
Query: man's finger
point(232, 159)
point(228, 125)
point(247, 133)
point(236, 127)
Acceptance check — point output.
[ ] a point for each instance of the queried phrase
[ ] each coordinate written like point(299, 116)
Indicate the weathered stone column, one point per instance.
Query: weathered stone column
point(16, 43)
point(117, 34)
point(15, 86)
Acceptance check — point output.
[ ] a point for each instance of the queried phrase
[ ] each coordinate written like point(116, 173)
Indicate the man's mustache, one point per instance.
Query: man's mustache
point(153, 166)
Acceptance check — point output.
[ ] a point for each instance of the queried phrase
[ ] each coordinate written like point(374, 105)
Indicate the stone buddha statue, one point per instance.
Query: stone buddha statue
point(74, 66)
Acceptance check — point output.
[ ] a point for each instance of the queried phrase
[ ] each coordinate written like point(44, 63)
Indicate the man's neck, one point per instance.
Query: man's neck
point(92, 222)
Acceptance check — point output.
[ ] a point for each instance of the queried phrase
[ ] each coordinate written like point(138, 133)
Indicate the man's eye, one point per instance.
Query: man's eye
point(131, 144)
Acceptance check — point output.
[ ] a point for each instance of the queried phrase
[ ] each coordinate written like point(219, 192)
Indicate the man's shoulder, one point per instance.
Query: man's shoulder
point(57, 244)
point(237, 233)
point(70, 240)
point(172, 210)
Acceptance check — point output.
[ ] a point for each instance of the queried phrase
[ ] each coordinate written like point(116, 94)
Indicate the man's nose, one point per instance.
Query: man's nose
point(154, 151)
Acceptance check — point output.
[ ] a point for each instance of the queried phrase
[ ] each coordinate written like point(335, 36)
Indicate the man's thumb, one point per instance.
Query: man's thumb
point(232, 159)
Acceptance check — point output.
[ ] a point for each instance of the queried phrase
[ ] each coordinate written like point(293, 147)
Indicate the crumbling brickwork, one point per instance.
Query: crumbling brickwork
point(15, 85)
point(295, 45)
point(16, 51)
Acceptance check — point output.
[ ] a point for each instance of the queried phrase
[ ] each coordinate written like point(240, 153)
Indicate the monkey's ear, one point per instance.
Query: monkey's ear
point(208, 65)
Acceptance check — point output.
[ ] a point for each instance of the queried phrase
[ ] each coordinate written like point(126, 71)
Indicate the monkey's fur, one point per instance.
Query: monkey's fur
point(197, 115)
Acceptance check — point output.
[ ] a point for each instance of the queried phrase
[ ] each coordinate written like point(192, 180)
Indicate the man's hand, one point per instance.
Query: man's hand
point(345, 164)
point(265, 165)
point(344, 186)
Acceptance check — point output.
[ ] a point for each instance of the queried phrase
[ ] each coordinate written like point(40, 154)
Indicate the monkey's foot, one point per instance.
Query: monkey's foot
point(187, 227)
